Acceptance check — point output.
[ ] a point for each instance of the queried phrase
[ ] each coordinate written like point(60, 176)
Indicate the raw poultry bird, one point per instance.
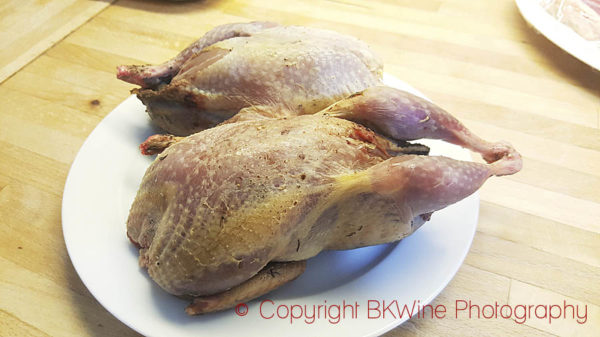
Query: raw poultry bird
point(241, 65)
point(232, 212)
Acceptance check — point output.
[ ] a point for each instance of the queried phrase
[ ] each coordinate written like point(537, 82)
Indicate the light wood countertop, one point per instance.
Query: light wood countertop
point(538, 237)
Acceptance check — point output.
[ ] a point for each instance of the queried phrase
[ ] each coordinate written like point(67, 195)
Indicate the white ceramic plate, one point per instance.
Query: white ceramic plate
point(560, 34)
point(101, 187)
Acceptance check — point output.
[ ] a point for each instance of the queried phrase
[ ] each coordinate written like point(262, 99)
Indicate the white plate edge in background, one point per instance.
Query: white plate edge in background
point(560, 34)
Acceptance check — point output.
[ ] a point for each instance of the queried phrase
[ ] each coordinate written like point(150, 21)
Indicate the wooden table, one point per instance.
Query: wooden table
point(538, 237)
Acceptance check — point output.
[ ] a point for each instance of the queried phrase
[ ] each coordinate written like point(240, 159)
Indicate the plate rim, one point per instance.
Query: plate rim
point(560, 34)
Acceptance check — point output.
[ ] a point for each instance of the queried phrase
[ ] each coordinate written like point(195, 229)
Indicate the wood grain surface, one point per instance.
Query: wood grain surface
point(29, 27)
point(538, 237)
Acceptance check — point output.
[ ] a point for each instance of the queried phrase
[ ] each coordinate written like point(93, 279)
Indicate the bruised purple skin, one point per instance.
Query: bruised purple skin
point(401, 115)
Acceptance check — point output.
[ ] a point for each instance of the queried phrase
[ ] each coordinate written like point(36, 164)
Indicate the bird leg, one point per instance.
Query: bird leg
point(151, 76)
point(272, 276)
point(425, 184)
point(403, 191)
point(156, 144)
point(404, 116)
